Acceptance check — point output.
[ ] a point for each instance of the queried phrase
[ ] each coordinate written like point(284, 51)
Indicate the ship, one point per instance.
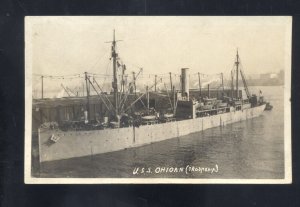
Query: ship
point(125, 127)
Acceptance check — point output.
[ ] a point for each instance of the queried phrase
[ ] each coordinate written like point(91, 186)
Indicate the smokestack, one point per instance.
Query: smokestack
point(185, 82)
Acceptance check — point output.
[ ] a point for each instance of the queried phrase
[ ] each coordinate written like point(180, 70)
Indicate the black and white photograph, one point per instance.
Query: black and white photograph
point(158, 99)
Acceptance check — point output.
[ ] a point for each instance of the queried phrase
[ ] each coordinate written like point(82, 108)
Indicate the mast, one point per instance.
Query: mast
point(147, 88)
point(174, 100)
point(87, 96)
point(114, 56)
point(222, 83)
point(200, 93)
point(42, 77)
point(237, 74)
point(171, 81)
point(122, 81)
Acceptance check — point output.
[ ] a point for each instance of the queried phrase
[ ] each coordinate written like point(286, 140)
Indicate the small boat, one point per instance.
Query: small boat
point(168, 115)
point(149, 117)
point(269, 107)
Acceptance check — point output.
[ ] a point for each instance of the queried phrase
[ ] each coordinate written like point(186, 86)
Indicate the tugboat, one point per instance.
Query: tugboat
point(269, 107)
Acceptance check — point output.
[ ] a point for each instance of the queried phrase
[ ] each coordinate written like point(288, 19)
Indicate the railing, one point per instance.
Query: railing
point(212, 112)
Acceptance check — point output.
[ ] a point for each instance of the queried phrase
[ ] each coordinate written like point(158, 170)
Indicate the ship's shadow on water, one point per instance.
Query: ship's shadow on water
point(252, 149)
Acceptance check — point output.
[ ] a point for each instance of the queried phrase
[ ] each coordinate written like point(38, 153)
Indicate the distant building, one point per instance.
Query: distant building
point(266, 79)
point(268, 76)
point(273, 75)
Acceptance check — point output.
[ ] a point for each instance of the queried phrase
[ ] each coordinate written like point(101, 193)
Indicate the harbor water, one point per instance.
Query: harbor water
point(252, 149)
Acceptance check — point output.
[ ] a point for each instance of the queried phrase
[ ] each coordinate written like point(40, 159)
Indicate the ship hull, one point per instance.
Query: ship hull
point(86, 143)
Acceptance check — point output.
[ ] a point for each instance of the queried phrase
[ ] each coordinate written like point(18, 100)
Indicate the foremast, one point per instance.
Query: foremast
point(237, 74)
point(240, 70)
point(114, 56)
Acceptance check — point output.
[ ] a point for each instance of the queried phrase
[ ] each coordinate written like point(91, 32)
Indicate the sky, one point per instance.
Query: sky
point(73, 45)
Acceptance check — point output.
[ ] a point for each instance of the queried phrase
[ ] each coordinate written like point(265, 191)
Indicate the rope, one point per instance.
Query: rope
point(102, 92)
point(169, 98)
point(99, 94)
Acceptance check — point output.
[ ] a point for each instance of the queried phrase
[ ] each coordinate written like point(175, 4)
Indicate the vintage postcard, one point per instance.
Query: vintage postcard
point(175, 99)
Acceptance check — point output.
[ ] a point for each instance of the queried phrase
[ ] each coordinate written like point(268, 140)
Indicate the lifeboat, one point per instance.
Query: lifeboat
point(149, 117)
point(169, 115)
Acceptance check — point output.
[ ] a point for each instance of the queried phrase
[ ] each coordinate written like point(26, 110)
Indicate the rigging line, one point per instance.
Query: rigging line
point(64, 78)
point(65, 90)
point(137, 76)
point(143, 103)
point(104, 94)
point(132, 64)
point(233, 70)
point(202, 74)
point(158, 74)
point(34, 74)
point(106, 71)
point(66, 75)
point(125, 99)
point(122, 88)
point(59, 77)
point(70, 90)
point(175, 105)
point(169, 98)
point(207, 75)
point(99, 94)
point(100, 75)
point(245, 80)
point(107, 67)
point(119, 93)
point(138, 98)
point(104, 53)
point(135, 101)
point(121, 101)
point(164, 75)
